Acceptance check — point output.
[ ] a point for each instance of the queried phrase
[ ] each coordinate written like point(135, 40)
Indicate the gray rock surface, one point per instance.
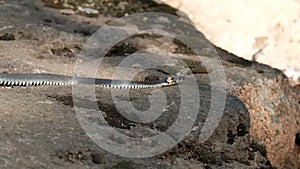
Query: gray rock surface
point(40, 128)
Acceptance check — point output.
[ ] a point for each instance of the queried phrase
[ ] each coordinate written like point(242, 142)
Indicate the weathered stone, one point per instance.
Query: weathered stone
point(40, 129)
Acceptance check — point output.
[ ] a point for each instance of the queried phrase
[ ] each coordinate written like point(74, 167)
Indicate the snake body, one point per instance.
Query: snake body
point(62, 80)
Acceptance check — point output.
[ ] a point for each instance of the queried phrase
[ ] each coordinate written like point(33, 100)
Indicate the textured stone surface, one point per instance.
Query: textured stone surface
point(273, 115)
point(40, 129)
point(273, 109)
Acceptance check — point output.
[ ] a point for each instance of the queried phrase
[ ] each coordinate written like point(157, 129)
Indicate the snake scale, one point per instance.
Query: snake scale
point(56, 79)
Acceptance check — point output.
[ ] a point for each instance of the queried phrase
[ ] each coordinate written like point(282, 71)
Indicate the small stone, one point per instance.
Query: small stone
point(67, 12)
point(88, 11)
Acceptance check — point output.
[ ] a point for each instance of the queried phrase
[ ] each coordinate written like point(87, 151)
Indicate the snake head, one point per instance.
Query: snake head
point(172, 80)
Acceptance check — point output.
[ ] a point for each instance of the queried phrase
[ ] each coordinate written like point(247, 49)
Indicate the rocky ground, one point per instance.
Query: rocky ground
point(41, 129)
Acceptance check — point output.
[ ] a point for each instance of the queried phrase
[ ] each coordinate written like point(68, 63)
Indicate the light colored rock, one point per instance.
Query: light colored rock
point(246, 27)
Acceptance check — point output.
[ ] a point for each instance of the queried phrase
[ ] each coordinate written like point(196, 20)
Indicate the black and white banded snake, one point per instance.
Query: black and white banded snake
point(61, 80)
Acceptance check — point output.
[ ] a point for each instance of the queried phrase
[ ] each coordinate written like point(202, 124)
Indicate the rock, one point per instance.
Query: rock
point(273, 113)
point(258, 127)
point(258, 31)
point(273, 108)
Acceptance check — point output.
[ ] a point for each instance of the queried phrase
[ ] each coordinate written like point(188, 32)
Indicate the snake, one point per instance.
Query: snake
point(40, 79)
